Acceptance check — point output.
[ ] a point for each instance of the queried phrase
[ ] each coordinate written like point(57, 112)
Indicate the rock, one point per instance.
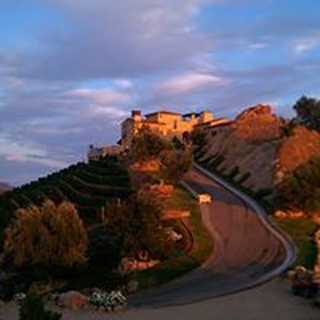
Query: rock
point(128, 265)
point(280, 214)
point(253, 112)
point(132, 286)
point(290, 214)
point(291, 274)
point(73, 300)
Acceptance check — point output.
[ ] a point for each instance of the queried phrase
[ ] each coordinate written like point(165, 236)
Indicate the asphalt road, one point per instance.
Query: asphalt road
point(244, 251)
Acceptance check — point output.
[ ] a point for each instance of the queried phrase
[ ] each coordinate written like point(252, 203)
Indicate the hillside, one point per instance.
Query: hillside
point(254, 151)
point(4, 187)
point(88, 186)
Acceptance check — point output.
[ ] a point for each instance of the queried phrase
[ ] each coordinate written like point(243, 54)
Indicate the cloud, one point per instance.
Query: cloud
point(111, 41)
point(123, 83)
point(51, 124)
point(26, 151)
point(43, 161)
point(189, 83)
point(99, 96)
point(306, 44)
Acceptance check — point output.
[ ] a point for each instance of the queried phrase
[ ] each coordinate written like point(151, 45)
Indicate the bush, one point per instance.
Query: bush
point(234, 172)
point(301, 189)
point(244, 177)
point(308, 112)
point(263, 193)
point(175, 164)
point(32, 308)
point(287, 130)
point(136, 226)
point(49, 235)
point(217, 161)
point(147, 145)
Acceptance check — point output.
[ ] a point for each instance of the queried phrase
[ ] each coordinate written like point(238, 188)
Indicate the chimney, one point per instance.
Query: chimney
point(136, 115)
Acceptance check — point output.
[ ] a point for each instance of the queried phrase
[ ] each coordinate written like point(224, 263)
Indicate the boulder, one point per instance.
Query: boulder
point(73, 300)
point(280, 214)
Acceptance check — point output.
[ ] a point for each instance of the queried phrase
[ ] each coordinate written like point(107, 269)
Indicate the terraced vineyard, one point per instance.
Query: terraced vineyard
point(88, 186)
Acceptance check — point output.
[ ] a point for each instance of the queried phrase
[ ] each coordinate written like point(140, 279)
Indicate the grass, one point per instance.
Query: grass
point(179, 265)
point(302, 232)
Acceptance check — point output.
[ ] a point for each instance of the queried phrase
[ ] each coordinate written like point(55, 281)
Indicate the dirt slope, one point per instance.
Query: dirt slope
point(254, 145)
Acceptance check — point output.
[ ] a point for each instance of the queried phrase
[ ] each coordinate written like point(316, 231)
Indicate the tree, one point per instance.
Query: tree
point(175, 164)
point(198, 137)
point(137, 227)
point(301, 189)
point(177, 143)
point(174, 156)
point(50, 235)
point(147, 145)
point(308, 112)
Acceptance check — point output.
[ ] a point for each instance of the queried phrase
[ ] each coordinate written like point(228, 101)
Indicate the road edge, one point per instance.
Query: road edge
point(285, 239)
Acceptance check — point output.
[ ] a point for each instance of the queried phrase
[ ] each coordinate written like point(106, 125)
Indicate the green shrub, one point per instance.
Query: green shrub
point(217, 161)
point(262, 193)
point(234, 172)
point(244, 177)
point(300, 189)
point(32, 308)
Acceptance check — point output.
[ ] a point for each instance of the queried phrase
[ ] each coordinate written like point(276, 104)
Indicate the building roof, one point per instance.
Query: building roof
point(163, 111)
point(215, 123)
point(186, 115)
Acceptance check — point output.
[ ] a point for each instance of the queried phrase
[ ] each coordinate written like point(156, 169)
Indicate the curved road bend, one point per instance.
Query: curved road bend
point(245, 253)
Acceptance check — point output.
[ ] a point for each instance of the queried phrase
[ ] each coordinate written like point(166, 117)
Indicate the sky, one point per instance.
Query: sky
point(71, 71)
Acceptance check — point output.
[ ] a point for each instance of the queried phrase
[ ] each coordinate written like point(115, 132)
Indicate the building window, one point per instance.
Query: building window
point(175, 124)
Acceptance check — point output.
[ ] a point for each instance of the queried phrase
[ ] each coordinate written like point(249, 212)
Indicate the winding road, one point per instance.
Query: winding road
point(247, 249)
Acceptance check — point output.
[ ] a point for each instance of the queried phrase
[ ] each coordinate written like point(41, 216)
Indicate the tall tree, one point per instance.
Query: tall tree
point(137, 226)
point(175, 164)
point(147, 145)
point(308, 112)
point(50, 235)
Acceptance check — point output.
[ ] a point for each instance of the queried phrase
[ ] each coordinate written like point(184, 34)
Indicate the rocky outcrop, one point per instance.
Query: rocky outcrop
point(254, 150)
point(297, 149)
point(257, 124)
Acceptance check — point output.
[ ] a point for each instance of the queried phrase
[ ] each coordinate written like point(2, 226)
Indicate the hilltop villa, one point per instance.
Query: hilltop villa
point(165, 123)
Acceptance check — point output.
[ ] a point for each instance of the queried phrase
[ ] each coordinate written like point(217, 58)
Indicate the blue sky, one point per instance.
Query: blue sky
point(71, 71)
